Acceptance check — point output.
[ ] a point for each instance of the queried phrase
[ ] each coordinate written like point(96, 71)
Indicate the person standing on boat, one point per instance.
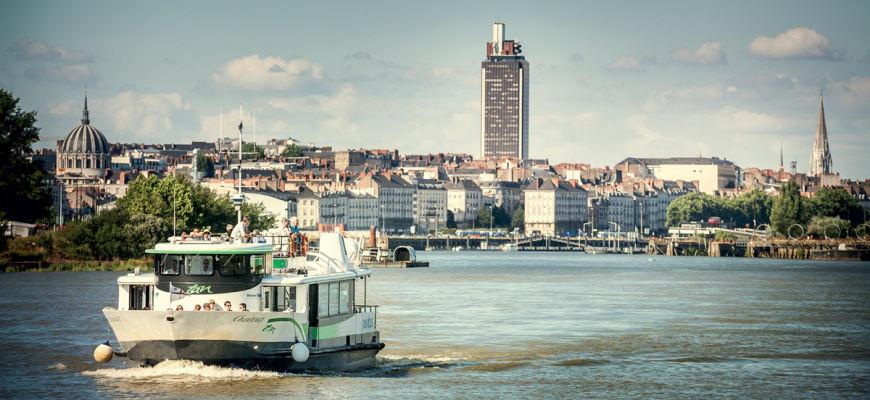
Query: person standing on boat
point(295, 236)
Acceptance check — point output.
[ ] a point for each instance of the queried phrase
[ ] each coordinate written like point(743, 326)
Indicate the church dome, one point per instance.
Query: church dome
point(85, 138)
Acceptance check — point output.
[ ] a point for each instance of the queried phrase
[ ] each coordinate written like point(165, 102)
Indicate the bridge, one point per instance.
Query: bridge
point(525, 243)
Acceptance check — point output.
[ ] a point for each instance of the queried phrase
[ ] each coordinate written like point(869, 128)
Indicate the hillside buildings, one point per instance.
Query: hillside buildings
point(504, 99)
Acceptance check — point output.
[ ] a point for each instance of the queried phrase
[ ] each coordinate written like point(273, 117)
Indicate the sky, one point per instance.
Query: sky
point(738, 80)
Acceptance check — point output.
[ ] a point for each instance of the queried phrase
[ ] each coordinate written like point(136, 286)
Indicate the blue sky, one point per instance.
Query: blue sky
point(609, 80)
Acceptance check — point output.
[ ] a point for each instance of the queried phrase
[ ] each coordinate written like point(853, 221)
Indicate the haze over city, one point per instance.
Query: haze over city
point(735, 80)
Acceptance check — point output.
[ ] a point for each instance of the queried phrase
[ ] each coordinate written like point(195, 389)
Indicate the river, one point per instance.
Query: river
point(504, 325)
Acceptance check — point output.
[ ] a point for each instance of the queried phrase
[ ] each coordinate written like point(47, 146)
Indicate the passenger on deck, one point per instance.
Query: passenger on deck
point(256, 238)
point(179, 308)
point(228, 306)
point(197, 307)
point(243, 307)
point(206, 307)
point(206, 266)
point(247, 222)
point(196, 234)
point(206, 235)
point(295, 236)
point(283, 234)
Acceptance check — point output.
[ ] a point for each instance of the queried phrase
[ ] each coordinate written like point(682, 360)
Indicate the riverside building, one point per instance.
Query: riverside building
point(504, 114)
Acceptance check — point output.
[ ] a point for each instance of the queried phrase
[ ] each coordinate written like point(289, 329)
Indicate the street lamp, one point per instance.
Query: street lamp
point(616, 242)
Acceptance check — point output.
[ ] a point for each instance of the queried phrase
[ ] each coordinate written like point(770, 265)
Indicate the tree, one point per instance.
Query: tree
point(484, 217)
point(21, 182)
point(196, 206)
point(757, 205)
point(691, 207)
point(501, 217)
point(838, 203)
point(291, 150)
point(250, 151)
point(451, 222)
point(205, 164)
point(519, 218)
point(788, 209)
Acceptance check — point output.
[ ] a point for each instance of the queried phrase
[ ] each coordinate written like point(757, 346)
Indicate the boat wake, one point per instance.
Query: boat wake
point(181, 370)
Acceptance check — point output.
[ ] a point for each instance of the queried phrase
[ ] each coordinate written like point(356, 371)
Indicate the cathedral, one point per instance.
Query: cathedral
point(820, 160)
point(84, 151)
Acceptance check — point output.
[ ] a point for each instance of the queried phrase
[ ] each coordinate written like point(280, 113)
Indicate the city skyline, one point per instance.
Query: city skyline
point(611, 80)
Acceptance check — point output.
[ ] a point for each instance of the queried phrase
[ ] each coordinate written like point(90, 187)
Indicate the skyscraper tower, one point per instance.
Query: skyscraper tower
point(504, 100)
point(820, 160)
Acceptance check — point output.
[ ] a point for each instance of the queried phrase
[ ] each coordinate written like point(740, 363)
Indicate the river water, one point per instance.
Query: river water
point(504, 325)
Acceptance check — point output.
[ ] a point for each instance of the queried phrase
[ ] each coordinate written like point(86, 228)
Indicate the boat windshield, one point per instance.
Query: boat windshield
point(208, 264)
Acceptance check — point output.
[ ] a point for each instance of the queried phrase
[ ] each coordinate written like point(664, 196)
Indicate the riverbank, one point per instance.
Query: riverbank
point(804, 249)
point(70, 265)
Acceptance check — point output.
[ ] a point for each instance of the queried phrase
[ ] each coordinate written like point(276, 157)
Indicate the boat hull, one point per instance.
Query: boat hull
point(257, 340)
point(254, 355)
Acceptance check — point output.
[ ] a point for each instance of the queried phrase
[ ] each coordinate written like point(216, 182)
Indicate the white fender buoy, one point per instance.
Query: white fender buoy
point(299, 352)
point(103, 353)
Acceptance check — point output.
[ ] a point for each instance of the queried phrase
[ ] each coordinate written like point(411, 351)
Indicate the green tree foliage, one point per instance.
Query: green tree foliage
point(205, 164)
point(291, 150)
point(691, 207)
point(196, 206)
point(112, 234)
point(757, 205)
point(819, 226)
point(22, 196)
point(519, 218)
point(749, 210)
point(502, 218)
point(789, 208)
point(250, 151)
point(451, 221)
point(838, 203)
point(483, 217)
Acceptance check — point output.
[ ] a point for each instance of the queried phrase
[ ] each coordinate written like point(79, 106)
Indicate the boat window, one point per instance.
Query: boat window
point(198, 265)
point(289, 299)
point(333, 298)
point(170, 264)
point(344, 305)
point(231, 265)
point(323, 300)
point(257, 265)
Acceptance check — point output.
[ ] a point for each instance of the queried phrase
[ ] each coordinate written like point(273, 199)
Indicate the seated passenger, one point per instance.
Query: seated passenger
point(179, 308)
point(206, 266)
point(228, 306)
point(197, 307)
point(206, 235)
point(243, 307)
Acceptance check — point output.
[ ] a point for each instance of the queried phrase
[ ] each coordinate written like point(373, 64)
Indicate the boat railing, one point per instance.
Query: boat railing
point(367, 309)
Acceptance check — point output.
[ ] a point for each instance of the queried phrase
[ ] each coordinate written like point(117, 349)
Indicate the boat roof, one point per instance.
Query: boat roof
point(212, 247)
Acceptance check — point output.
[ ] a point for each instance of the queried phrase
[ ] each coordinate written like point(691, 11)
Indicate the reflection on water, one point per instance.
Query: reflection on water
point(519, 324)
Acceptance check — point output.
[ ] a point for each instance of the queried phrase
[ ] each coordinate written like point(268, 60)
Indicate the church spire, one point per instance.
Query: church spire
point(85, 116)
point(820, 160)
point(781, 163)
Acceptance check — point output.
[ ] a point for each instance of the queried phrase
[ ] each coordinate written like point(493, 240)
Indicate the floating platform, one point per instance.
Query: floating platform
point(397, 264)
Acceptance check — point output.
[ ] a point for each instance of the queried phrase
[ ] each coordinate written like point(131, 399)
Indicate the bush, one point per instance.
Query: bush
point(819, 225)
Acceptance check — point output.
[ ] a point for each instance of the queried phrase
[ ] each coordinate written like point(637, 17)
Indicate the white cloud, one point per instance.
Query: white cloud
point(854, 92)
point(24, 49)
point(338, 108)
point(270, 73)
point(708, 54)
point(795, 43)
point(626, 64)
point(137, 117)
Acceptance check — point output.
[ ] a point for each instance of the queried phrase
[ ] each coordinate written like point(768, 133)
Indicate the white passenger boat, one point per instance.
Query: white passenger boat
point(303, 313)
point(306, 308)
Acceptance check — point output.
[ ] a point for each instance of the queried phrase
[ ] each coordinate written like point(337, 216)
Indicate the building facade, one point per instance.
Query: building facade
point(504, 102)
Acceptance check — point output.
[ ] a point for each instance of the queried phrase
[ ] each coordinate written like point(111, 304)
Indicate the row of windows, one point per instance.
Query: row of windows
point(334, 298)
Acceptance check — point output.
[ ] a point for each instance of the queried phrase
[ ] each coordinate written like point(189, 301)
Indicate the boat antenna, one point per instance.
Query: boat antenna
point(239, 203)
